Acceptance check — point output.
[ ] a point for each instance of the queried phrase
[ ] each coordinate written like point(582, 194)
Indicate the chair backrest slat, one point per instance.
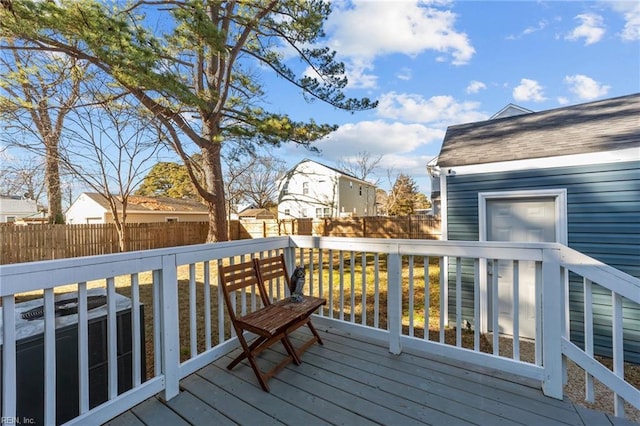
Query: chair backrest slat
point(239, 276)
point(272, 268)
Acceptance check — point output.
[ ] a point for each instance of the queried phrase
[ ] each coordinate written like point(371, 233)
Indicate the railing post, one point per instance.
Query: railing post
point(394, 301)
point(552, 288)
point(169, 334)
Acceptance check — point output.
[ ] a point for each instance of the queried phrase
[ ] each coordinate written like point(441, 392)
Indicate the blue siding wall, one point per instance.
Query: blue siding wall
point(603, 211)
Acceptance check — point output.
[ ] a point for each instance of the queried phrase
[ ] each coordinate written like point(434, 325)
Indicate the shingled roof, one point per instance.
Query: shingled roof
point(139, 204)
point(605, 125)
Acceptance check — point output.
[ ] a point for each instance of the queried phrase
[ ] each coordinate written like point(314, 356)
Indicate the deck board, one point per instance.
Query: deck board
point(354, 382)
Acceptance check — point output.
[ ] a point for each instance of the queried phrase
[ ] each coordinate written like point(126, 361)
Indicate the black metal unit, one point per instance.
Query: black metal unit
point(30, 364)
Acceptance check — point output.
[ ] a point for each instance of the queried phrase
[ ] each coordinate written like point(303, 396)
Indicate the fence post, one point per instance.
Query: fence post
point(551, 323)
point(169, 330)
point(394, 301)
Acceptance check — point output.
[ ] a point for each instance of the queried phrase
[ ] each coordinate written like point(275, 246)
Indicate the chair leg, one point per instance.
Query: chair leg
point(257, 342)
point(248, 354)
point(314, 332)
point(291, 350)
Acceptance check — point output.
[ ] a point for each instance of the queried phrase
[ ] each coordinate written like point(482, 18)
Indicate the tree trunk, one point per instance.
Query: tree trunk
point(52, 176)
point(214, 183)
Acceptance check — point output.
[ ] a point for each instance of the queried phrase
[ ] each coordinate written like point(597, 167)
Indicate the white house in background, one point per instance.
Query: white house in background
point(13, 208)
point(313, 190)
point(94, 208)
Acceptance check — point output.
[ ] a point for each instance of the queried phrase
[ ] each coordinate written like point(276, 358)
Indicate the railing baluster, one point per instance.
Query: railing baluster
point(157, 325)
point(193, 326)
point(588, 336)
point(352, 287)
point(458, 301)
point(476, 304)
point(112, 338)
point(83, 349)
point(341, 312)
point(516, 310)
point(330, 283)
point(495, 307)
point(618, 349)
point(376, 290)
point(50, 357)
point(427, 297)
point(136, 327)
point(411, 296)
point(443, 298)
point(9, 369)
point(321, 279)
point(206, 270)
point(394, 301)
point(311, 274)
point(364, 288)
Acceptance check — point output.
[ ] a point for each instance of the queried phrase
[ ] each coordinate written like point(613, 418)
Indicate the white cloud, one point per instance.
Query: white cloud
point(528, 90)
point(562, 100)
point(631, 12)
point(361, 30)
point(475, 86)
point(585, 87)
point(591, 29)
point(379, 137)
point(438, 110)
point(405, 74)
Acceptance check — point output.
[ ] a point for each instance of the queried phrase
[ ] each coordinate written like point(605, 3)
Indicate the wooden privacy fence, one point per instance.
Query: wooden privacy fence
point(45, 242)
point(427, 228)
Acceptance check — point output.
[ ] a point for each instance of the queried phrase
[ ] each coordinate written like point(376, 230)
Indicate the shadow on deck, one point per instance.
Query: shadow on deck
point(355, 382)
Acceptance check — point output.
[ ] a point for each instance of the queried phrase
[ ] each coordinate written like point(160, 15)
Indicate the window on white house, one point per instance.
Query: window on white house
point(11, 219)
point(360, 189)
point(326, 212)
point(285, 188)
point(287, 212)
point(303, 213)
point(318, 212)
point(305, 188)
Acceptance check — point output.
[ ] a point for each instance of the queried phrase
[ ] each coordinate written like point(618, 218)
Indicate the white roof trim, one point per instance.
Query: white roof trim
point(624, 155)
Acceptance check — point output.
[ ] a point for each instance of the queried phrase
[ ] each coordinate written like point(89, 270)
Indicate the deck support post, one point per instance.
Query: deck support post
point(552, 288)
point(394, 301)
point(169, 332)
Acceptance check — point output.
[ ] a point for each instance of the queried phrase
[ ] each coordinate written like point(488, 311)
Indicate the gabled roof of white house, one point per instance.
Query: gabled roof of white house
point(141, 204)
point(605, 125)
point(341, 172)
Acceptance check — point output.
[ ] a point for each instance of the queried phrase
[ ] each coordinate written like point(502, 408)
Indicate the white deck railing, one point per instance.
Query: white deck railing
point(374, 287)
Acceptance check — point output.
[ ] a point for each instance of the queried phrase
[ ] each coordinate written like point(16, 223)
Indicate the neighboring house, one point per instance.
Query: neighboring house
point(569, 175)
point(94, 208)
point(256, 214)
point(13, 208)
point(313, 190)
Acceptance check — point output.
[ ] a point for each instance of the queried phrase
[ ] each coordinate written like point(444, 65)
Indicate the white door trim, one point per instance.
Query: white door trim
point(561, 227)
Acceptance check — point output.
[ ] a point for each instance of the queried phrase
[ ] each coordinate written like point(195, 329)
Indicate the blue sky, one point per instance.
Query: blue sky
point(432, 64)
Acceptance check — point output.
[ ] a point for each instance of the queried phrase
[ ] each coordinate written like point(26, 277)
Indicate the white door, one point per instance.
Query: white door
point(519, 220)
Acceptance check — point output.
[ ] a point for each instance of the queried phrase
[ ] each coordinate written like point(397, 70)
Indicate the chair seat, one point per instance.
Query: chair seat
point(308, 305)
point(274, 318)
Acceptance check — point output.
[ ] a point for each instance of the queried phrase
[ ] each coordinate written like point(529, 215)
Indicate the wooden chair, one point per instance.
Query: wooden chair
point(273, 268)
point(271, 323)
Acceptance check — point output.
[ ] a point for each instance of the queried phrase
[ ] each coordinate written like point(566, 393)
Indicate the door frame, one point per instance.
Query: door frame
point(559, 196)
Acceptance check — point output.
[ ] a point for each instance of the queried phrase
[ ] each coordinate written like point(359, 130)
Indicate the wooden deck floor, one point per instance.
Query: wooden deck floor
point(351, 382)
